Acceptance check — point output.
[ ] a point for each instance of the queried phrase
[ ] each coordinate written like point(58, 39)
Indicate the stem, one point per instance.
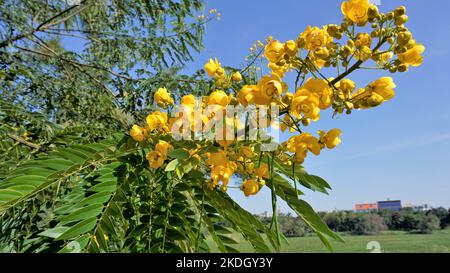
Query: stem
point(274, 200)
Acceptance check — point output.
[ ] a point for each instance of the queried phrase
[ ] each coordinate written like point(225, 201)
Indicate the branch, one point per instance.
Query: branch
point(355, 65)
point(25, 142)
point(42, 26)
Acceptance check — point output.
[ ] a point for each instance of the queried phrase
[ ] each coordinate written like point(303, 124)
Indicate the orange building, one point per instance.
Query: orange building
point(366, 207)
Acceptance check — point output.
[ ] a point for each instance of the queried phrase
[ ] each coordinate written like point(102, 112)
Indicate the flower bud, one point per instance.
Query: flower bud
point(400, 11)
point(305, 121)
point(374, 34)
point(390, 15)
point(372, 12)
point(401, 20)
point(332, 29)
point(402, 68)
point(393, 69)
point(404, 37)
point(236, 77)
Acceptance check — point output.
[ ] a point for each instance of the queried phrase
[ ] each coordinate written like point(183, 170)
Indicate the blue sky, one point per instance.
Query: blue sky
point(399, 150)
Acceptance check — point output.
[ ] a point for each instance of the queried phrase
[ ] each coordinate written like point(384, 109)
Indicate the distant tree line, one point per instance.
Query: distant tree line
point(367, 223)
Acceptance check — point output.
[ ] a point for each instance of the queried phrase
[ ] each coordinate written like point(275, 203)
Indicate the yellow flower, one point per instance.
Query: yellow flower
point(218, 98)
point(356, 10)
point(247, 94)
point(157, 121)
point(287, 98)
point(291, 48)
point(262, 171)
point(222, 173)
point(246, 151)
point(314, 37)
point(346, 86)
point(155, 159)
point(138, 133)
point(363, 39)
point(382, 58)
point(250, 187)
point(269, 87)
point(331, 138)
point(412, 56)
point(274, 51)
point(218, 158)
point(383, 86)
point(214, 69)
point(321, 89)
point(236, 77)
point(374, 94)
point(188, 100)
point(363, 53)
point(301, 144)
point(305, 103)
point(163, 147)
point(162, 98)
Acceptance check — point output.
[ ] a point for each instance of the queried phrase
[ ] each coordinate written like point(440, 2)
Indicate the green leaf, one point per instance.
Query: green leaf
point(108, 186)
point(78, 229)
point(97, 198)
point(7, 195)
point(84, 213)
point(172, 165)
point(54, 232)
point(179, 154)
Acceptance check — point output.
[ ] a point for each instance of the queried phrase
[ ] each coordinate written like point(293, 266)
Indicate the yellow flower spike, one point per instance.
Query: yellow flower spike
point(356, 10)
point(274, 51)
point(138, 133)
point(163, 98)
point(250, 187)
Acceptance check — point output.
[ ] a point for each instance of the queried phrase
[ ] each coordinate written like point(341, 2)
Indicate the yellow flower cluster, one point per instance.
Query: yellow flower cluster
point(157, 157)
point(301, 144)
point(389, 46)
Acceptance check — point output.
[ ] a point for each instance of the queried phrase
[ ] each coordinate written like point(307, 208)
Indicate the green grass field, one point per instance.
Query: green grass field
point(390, 242)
